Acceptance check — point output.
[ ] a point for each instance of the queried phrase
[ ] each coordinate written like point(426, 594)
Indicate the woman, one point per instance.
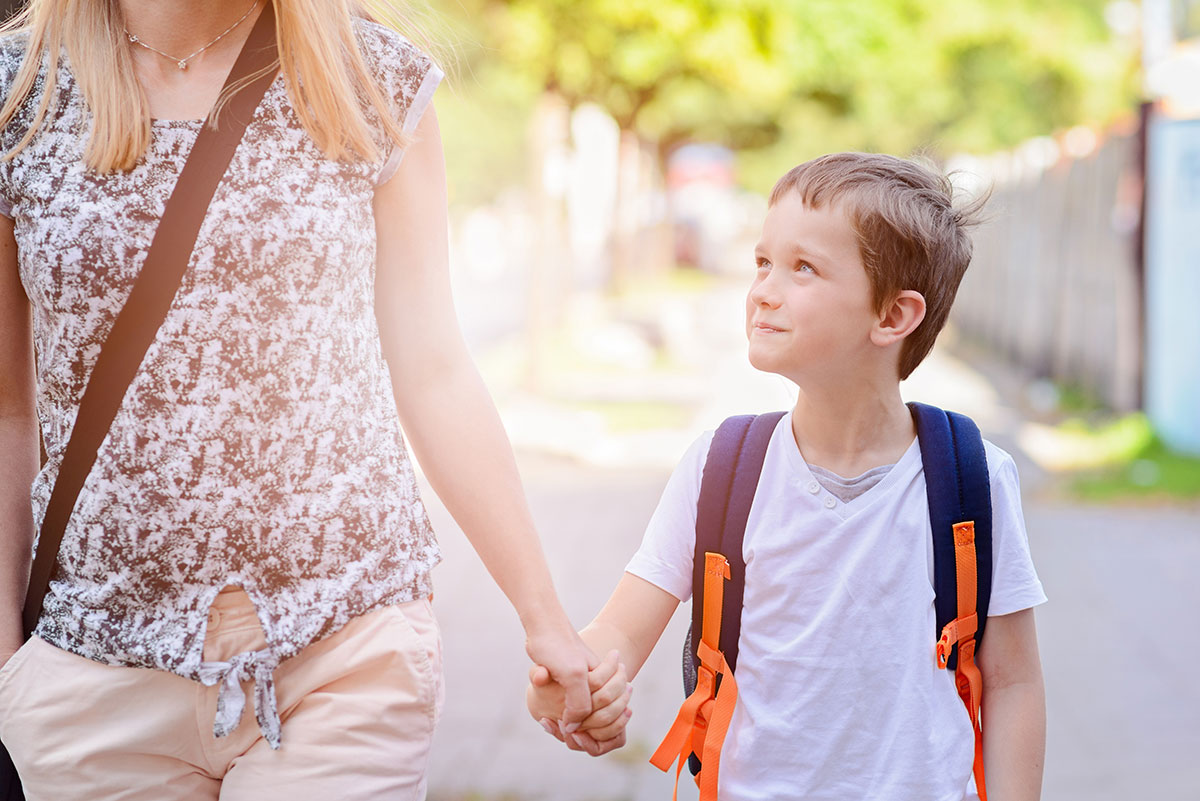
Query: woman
point(251, 526)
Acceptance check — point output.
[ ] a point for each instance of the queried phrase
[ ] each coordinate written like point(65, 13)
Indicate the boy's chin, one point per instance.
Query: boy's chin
point(766, 362)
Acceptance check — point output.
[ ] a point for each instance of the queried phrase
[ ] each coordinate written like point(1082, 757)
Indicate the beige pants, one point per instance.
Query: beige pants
point(358, 710)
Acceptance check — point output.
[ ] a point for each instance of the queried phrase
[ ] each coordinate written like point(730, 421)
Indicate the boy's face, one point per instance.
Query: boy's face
point(809, 311)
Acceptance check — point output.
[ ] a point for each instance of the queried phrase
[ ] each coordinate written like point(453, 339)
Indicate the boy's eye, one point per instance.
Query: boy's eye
point(762, 264)
point(803, 266)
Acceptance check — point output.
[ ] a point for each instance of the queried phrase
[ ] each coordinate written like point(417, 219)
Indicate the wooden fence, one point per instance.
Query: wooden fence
point(1054, 283)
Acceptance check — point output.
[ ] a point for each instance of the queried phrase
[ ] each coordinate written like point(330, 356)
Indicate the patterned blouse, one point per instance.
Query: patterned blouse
point(259, 443)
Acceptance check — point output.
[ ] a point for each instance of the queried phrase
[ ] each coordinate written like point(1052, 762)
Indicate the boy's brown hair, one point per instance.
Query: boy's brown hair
point(909, 233)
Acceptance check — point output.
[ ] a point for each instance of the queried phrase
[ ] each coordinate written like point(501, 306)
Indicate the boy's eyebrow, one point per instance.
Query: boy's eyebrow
point(797, 250)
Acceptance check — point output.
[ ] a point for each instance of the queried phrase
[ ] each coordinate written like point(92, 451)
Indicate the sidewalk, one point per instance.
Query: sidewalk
point(1118, 663)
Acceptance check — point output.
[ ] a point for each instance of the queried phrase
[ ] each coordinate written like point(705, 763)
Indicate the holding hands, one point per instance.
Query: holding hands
point(601, 731)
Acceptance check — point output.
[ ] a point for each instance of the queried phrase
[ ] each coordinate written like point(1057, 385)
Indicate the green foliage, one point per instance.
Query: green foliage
point(782, 80)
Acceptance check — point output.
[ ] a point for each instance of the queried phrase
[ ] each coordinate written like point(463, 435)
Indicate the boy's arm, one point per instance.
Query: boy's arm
point(1014, 708)
point(630, 623)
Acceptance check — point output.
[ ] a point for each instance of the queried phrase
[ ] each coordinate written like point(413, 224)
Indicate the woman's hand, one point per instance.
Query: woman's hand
point(560, 651)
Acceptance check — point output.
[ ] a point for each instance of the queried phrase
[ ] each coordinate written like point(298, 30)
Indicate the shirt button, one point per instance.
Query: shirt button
point(830, 502)
point(214, 618)
point(814, 487)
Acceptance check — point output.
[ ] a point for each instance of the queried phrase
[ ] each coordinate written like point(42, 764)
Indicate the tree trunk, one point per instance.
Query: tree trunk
point(547, 176)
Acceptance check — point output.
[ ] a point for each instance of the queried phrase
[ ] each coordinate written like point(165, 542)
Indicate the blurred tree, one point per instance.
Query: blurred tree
point(781, 80)
point(666, 70)
point(778, 81)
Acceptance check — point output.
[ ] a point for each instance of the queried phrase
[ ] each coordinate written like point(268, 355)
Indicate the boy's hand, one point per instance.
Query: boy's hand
point(604, 729)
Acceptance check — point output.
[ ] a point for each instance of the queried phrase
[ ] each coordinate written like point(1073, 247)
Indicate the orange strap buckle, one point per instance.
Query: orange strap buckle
point(956, 631)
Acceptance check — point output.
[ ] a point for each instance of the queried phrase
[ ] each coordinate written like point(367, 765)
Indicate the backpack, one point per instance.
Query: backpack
point(960, 512)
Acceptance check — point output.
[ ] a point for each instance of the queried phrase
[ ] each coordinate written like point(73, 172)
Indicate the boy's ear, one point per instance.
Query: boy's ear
point(899, 318)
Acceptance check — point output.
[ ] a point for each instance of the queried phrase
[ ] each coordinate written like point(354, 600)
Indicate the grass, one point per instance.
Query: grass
point(1133, 463)
point(1075, 400)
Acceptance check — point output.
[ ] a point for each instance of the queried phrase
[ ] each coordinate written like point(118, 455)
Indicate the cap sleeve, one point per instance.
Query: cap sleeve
point(1015, 582)
point(667, 550)
point(408, 77)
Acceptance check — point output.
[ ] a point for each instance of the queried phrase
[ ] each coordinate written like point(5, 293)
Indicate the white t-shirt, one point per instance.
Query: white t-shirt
point(839, 693)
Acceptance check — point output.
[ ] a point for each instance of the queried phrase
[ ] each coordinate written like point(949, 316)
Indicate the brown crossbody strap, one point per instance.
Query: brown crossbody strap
point(151, 297)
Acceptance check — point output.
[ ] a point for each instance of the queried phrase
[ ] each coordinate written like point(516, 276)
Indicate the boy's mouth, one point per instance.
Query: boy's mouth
point(763, 328)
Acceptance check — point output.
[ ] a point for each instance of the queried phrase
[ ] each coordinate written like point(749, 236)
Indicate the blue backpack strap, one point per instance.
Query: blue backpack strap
point(716, 486)
point(727, 487)
point(958, 488)
point(741, 497)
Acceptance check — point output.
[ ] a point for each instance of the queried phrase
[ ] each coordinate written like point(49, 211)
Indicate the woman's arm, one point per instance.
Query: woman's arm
point(448, 415)
point(1014, 708)
point(18, 443)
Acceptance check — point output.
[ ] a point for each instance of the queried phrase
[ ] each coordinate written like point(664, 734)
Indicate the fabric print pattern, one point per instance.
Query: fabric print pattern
point(259, 443)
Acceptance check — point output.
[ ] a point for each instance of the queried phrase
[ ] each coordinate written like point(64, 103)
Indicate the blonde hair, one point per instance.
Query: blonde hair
point(319, 57)
point(911, 234)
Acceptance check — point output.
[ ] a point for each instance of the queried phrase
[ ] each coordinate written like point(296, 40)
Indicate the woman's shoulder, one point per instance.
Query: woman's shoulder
point(405, 73)
point(387, 51)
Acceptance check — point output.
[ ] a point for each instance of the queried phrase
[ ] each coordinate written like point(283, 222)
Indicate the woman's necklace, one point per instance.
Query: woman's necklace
point(182, 62)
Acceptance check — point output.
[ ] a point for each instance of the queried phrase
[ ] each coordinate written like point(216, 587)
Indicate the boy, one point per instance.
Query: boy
point(839, 695)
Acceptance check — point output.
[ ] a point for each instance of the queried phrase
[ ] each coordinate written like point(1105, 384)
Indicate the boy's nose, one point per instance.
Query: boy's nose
point(761, 294)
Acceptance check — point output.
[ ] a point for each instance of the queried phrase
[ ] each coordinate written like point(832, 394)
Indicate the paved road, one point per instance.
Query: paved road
point(1117, 641)
point(487, 747)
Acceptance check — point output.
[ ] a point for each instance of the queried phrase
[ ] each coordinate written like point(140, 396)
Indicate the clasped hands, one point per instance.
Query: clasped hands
point(604, 729)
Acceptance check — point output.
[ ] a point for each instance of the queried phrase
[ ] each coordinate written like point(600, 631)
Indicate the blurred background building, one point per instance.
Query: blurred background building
point(1172, 234)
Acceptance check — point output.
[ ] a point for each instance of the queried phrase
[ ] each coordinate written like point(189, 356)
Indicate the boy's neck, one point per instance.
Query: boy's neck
point(850, 433)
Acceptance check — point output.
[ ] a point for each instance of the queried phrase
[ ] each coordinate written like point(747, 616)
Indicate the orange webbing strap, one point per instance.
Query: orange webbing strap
point(716, 573)
point(707, 711)
point(961, 631)
point(970, 689)
point(678, 741)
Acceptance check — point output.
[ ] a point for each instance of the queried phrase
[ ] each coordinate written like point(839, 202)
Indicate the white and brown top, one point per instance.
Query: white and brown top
point(259, 443)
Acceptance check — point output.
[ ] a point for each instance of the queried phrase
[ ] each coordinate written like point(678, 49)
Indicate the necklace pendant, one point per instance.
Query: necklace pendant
point(182, 65)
